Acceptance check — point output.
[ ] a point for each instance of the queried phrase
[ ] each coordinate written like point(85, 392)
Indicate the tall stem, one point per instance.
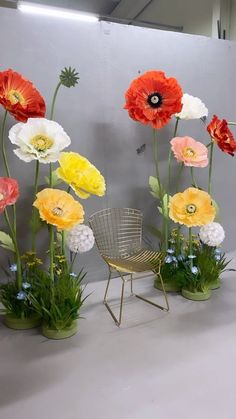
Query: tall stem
point(34, 209)
point(190, 246)
point(169, 178)
point(193, 178)
point(210, 168)
point(155, 154)
point(14, 239)
point(51, 231)
point(51, 228)
point(4, 154)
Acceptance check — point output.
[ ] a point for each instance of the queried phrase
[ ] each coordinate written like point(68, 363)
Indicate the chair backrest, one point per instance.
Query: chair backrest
point(117, 231)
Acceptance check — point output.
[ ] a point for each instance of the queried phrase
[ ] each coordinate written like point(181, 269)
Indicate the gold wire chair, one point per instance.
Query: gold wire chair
point(118, 235)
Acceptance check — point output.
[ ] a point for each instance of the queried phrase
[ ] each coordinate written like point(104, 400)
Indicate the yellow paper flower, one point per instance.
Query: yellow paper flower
point(58, 208)
point(83, 177)
point(192, 208)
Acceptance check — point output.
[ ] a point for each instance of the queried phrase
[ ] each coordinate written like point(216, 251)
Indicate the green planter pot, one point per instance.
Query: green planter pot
point(196, 296)
point(17, 323)
point(169, 286)
point(216, 284)
point(50, 333)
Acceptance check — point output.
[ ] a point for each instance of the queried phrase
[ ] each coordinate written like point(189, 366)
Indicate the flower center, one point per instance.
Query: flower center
point(189, 152)
point(15, 97)
point(1, 196)
point(155, 100)
point(191, 208)
point(41, 142)
point(57, 211)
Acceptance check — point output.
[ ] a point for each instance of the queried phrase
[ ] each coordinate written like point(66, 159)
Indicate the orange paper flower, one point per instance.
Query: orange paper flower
point(20, 97)
point(189, 151)
point(153, 98)
point(193, 208)
point(59, 208)
point(221, 135)
point(9, 192)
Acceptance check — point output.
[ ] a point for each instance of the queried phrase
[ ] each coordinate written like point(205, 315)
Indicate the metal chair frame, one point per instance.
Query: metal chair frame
point(118, 235)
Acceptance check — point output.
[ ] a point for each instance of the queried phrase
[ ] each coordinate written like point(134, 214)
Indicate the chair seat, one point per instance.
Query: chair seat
point(141, 261)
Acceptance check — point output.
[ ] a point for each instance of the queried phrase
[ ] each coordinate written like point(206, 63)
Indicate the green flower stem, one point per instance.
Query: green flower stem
point(193, 178)
point(51, 228)
point(54, 100)
point(4, 154)
point(34, 209)
point(51, 117)
point(169, 178)
point(178, 239)
point(51, 232)
point(155, 154)
point(14, 239)
point(210, 168)
point(6, 165)
point(63, 242)
point(190, 246)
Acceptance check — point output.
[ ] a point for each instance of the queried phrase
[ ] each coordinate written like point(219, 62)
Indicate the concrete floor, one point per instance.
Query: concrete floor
point(177, 365)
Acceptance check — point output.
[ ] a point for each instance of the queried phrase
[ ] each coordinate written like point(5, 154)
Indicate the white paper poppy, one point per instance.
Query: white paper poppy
point(39, 139)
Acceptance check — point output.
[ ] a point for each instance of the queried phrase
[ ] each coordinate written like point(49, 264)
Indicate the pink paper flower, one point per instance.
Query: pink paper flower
point(9, 192)
point(189, 151)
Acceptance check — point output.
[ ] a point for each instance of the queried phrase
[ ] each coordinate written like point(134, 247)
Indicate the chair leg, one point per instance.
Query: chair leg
point(117, 322)
point(164, 308)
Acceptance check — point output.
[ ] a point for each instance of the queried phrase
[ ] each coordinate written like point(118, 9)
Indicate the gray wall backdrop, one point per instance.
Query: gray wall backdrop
point(108, 56)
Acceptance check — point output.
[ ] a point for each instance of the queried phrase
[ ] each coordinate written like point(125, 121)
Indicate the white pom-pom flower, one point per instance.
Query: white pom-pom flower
point(39, 139)
point(212, 234)
point(193, 108)
point(80, 239)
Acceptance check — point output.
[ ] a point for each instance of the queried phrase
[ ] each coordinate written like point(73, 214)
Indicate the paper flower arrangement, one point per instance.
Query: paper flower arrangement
point(192, 262)
point(37, 292)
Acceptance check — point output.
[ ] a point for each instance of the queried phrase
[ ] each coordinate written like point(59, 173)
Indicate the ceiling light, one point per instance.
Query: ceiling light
point(55, 12)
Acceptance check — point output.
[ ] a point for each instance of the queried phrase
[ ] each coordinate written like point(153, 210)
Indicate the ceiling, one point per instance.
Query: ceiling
point(188, 16)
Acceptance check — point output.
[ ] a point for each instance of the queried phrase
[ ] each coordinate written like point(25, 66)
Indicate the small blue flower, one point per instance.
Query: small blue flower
point(74, 275)
point(191, 256)
point(21, 295)
point(218, 251)
point(174, 259)
point(170, 251)
point(168, 259)
point(217, 257)
point(26, 285)
point(13, 267)
point(194, 270)
point(180, 258)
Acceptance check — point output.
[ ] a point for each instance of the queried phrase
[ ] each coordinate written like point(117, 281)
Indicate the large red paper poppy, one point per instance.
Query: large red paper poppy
point(9, 192)
point(20, 97)
point(221, 134)
point(153, 98)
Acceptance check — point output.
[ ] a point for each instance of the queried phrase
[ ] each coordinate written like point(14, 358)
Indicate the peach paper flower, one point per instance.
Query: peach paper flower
point(189, 151)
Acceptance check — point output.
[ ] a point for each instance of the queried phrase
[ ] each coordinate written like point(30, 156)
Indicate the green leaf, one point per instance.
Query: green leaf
point(55, 179)
point(36, 224)
point(217, 216)
point(6, 241)
point(155, 232)
point(165, 213)
point(156, 191)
